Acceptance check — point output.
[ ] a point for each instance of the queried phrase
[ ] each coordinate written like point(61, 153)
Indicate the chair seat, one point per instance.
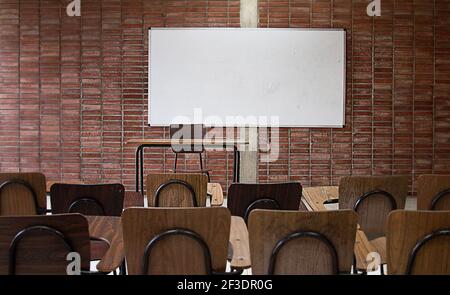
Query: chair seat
point(380, 245)
point(98, 249)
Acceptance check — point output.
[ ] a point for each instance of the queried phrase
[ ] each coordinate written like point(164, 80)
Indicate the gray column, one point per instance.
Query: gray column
point(249, 156)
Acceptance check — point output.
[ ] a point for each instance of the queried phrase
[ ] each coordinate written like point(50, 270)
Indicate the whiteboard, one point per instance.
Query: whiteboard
point(204, 75)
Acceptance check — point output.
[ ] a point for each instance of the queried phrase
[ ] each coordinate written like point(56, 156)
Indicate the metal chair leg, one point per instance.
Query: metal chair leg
point(201, 168)
point(175, 164)
point(123, 269)
point(355, 270)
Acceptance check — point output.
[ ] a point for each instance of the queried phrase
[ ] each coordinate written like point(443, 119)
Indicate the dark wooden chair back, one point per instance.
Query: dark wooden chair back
point(433, 192)
point(185, 132)
point(242, 198)
point(176, 240)
point(373, 197)
point(22, 194)
point(418, 242)
point(96, 199)
point(38, 245)
point(302, 243)
point(177, 190)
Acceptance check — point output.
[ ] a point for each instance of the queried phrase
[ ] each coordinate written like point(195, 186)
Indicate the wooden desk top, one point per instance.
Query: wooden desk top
point(314, 199)
point(216, 193)
point(167, 142)
point(239, 243)
point(110, 229)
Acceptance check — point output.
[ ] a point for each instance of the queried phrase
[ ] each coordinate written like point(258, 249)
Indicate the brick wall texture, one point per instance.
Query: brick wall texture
point(73, 90)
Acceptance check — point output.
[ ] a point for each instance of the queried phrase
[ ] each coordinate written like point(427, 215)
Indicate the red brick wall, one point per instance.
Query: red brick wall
point(73, 89)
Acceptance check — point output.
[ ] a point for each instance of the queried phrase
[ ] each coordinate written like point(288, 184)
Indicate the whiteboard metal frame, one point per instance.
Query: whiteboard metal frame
point(344, 58)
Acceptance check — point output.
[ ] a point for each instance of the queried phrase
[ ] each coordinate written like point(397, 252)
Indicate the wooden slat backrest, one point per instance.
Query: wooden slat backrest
point(108, 199)
point(241, 195)
point(372, 211)
point(176, 254)
point(304, 256)
point(16, 199)
point(405, 229)
point(176, 195)
point(41, 252)
point(428, 187)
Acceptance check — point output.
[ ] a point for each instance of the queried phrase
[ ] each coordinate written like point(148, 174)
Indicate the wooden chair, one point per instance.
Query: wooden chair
point(300, 243)
point(95, 199)
point(22, 194)
point(418, 242)
point(176, 240)
point(244, 197)
point(433, 192)
point(373, 198)
point(177, 190)
point(38, 245)
point(187, 132)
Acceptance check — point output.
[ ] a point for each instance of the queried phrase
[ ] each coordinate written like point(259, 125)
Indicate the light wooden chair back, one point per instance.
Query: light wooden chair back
point(373, 197)
point(38, 245)
point(242, 198)
point(22, 194)
point(433, 192)
point(177, 240)
point(177, 190)
point(314, 242)
point(418, 242)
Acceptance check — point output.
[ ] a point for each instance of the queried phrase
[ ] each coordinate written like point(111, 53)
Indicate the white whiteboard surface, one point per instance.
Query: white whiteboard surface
point(295, 74)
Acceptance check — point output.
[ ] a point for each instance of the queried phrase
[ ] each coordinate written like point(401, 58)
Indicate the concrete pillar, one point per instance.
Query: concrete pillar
point(249, 13)
point(249, 156)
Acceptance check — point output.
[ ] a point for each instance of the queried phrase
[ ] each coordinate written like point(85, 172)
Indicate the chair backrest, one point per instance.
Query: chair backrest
point(242, 198)
point(40, 244)
point(188, 131)
point(373, 197)
point(96, 199)
point(177, 190)
point(176, 240)
point(22, 194)
point(418, 242)
point(296, 242)
point(433, 192)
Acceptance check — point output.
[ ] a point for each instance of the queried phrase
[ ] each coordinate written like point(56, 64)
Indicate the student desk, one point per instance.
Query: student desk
point(164, 143)
point(315, 199)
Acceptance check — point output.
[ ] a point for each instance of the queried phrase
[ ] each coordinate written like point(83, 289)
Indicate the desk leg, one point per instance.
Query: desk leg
point(137, 168)
point(234, 163)
point(142, 171)
point(238, 171)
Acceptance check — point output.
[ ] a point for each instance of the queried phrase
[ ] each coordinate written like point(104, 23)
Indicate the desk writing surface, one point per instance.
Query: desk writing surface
point(169, 142)
point(314, 198)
